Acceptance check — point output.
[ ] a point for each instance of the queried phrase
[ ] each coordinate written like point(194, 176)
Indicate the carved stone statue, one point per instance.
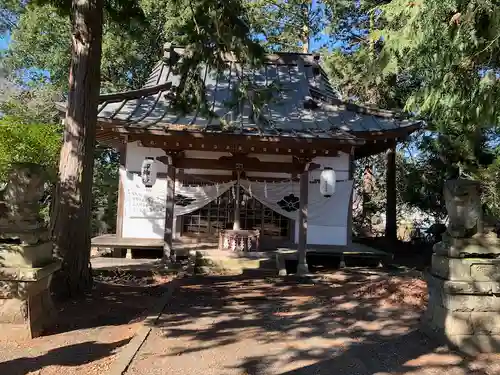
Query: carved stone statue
point(20, 199)
point(26, 254)
point(463, 204)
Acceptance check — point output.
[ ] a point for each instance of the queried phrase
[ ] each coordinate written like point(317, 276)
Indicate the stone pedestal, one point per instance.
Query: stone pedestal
point(26, 307)
point(464, 281)
point(26, 261)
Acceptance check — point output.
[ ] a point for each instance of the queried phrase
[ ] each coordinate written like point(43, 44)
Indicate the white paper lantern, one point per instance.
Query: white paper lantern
point(327, 182)
point(148, 172)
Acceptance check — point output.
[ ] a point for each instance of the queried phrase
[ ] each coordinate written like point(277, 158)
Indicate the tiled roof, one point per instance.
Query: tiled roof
point(305, 104)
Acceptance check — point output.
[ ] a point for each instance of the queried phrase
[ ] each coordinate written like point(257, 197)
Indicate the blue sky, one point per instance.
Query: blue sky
point(4, 41)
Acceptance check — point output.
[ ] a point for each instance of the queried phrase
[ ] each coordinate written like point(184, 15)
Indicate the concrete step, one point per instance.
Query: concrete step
point(222, 261)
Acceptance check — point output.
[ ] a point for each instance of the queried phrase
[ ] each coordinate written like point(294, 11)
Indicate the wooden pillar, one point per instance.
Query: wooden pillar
point(391, 209)
point(302, 267)
point(168, 250)
point(236, 223)
point(120, 211)
point(349, 213)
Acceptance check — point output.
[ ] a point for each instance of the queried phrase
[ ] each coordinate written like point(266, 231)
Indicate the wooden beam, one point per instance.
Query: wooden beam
point(374, 147)
point(211, 178)
point(221, 178)
point(168, 250)
point(391, 206)
point(120, 211)
point(231, 163)
point(238, 143)
point(302, 267)
point(134, 94)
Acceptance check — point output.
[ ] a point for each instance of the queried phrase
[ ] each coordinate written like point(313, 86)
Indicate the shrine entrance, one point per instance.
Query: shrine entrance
point(219, 215)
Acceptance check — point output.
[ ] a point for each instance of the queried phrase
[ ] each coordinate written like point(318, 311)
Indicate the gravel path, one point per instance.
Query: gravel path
point(352, 323)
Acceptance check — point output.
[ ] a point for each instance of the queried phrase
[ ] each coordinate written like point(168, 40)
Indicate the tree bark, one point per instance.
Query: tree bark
point(72, 222)
point(391, 226)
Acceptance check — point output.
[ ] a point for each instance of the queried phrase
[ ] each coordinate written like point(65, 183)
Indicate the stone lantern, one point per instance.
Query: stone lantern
point(26, 260)
point(464, 278)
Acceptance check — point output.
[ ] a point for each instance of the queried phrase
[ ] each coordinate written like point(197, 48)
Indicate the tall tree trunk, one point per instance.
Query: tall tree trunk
point(72, 211)
point(305, 26)
point(391, 223)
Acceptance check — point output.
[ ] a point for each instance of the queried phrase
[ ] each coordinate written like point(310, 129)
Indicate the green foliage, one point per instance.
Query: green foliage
point(359, 79)
point(41, 44)
point(24, 142)
point(8, 12)
point(490, 177)
point(291, 26)
point(105, 191)
point(209, 31)
point(285, 25)
point(453, 48)
point(34, 105)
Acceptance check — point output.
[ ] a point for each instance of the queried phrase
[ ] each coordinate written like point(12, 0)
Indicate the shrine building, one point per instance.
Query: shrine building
point(250, 176)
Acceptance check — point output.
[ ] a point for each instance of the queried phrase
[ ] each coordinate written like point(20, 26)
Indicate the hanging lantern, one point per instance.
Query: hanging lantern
point(327, 182)
point(148, 172)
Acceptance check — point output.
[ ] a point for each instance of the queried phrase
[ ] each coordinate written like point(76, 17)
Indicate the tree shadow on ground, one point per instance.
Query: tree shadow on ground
point(107, 304)
point(72, 355)
point(339, 326)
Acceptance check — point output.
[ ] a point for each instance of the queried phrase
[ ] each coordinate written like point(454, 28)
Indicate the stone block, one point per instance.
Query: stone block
point(479, 244)
point(466, 269)
point(25, 301)
point(13, 311)
point(451, 322)
point(462, 287)
point(28, 273)
point(19, 255)
point(470, 344)
point(464, 302)
point(463, 323)
point(35, 314)
point(28, 234)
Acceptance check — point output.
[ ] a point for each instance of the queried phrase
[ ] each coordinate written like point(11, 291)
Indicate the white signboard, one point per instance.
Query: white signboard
point(145, 203)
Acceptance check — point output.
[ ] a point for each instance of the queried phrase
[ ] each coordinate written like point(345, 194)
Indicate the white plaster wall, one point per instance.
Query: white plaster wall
point(334, 230)
point(134, 227)
point(334, 233)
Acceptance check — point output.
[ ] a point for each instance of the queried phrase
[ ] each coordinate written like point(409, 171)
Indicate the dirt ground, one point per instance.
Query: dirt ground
point(351, 323)
point(89, 332)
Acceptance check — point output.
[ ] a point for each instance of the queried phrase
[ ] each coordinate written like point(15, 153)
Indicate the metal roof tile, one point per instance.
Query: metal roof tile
point(294, 83)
